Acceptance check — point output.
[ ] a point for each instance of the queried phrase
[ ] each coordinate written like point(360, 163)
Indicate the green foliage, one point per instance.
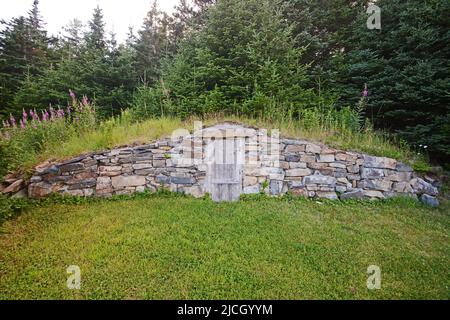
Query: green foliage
point(148, 102)
point(244, 61)
point(421, 166)
point(95, 37)
point(264, 186)
point(152, 45)
point(405, 65)
point(24, 144)
point(24, 52)
point(89, 65)
point(11, 207)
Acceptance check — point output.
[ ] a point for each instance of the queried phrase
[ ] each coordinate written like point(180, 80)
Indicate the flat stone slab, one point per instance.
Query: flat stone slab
point(127, 181)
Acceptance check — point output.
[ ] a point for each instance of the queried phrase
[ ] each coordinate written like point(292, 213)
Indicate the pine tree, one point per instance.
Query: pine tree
point(13, 63)
point(95, 37)
point(72, 41)
point(37, 48)
point(189, 16)
point(243, 60)
point(152, 45)
point(405, 65)
point(24, 54)
point(325, 28)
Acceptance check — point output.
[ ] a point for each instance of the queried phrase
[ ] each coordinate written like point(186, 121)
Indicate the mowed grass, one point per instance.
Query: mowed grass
point(259, 248)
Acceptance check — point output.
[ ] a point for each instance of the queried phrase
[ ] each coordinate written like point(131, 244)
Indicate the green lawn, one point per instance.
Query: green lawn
point(260, 248)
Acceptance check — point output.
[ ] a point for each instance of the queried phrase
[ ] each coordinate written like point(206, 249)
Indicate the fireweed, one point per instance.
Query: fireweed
point(22, 140)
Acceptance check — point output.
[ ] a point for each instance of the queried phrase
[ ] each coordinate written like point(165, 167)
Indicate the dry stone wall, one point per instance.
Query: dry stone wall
point(300, 167)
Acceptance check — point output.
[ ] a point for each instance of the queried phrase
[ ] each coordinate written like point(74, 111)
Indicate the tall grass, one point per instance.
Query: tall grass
point(117, 131)
point(342, 129)
point(24, 139)
point(333, 130)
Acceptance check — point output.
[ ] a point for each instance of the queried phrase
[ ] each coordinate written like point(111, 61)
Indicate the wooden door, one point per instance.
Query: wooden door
point(226, 169)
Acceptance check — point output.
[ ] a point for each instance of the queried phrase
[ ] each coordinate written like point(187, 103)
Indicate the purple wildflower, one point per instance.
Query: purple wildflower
point(60, 113)
point(36, 116)
point(13, 120)
point(85, 101)
point(52, 113)
point(45, 116)
point(24, 116)
point(72, 95)
point(22, 124)
point(365, 92)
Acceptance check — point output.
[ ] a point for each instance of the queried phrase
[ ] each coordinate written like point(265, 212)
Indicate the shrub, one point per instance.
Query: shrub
point(148, 102)
point(24, 139)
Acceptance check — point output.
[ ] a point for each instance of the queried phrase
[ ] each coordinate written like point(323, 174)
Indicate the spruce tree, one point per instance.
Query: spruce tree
point(152, 45)
point(243, 60)
point(24, 55)
point(406, 68)
point(95, 37)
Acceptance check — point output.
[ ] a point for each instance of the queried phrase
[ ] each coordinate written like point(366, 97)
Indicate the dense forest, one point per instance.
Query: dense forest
point(258, 58)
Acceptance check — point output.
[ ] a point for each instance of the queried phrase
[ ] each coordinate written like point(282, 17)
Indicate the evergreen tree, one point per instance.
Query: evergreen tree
point(95, 37)
point(405, 65)
point(96, 68)
point(13, 62)
point(325, 29)
point(152, 45)
point(24, 54)
point(72, 40)
point(244, 60)
point(189, 16)
point(37, 47)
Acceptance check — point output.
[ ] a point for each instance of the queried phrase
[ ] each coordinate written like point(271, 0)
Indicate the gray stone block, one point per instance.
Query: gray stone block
point(429, 200)
point(356, 194)
point(298, 172)
point(420, 186)
point(163, 179)
point(401, 167)
point(182, 180)
point(320, 179)
point(127, 181)
point(275, 187)
point(71, 167)
point(379, 162)
point(372, 173)
point(292, 158)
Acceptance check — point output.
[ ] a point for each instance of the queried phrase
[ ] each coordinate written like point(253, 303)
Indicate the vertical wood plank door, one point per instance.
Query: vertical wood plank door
point(226, 170)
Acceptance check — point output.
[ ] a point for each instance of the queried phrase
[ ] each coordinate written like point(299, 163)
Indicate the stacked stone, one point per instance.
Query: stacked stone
point(314, 170)
point(119, 172)
point(300, 167)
